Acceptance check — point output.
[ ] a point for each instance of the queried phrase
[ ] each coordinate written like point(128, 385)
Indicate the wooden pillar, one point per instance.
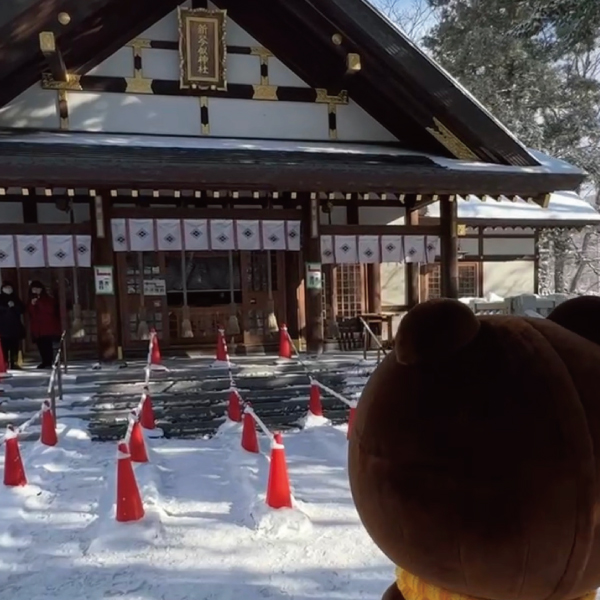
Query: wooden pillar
point(449, 246)
point(312, 254)
point(374, 288)
point(106, 305)
point(292, 282)
point(411, 272)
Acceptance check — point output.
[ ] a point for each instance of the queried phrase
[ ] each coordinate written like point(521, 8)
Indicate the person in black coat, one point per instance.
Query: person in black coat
point(12, 330)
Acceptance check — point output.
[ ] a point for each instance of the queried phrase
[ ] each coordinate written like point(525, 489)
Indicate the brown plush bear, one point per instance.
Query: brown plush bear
point(473, 459)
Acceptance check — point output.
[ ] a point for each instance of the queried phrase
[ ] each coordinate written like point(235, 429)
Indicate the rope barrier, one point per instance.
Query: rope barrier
point(258, 421)
point(350, 403)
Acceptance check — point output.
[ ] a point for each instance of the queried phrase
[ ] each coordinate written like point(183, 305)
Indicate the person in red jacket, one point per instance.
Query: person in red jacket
point(44, 322)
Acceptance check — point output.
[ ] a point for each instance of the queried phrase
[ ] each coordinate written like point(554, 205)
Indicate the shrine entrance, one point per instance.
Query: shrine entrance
point(165, 288)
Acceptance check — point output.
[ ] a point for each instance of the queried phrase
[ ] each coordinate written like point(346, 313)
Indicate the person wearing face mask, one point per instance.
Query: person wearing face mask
point(12, 330)
point(44, 322)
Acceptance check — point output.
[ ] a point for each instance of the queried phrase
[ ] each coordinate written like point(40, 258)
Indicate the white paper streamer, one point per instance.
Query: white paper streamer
point(7, 252)
point(346, 251)
point(60, 251)
point(168, 233)
point(392, 249)
point(83, 250)
point(119, 235)
point(30, 249)
point(368, 249)
point(274, 236)
point(414, 248)
point(327, 251)
point(221, 234)
point(293, 232)
point(432, 244)
point(195, 234)
point(248, 234)
point(141, 235)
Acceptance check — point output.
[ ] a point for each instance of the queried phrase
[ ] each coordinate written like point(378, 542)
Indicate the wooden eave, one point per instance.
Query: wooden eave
point(44, 165)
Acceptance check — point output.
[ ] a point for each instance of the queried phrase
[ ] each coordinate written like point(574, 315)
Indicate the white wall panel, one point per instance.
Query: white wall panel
point(48, 213)
point(279, 74)
point(381, 215)
point(133, 113)
point(468, 245)
point(231, 117)
point(337, 217)
point(119, 64)
point(11, 212)
point(509, 278)
point(508, 246)
point(243, 68)
point(354, 124)
point(160, 64)
point(36, 108)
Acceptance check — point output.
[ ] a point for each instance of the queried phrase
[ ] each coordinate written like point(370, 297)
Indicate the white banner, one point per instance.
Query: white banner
point(119, 235)
point(292, 229)
point(83, 250)
point(368, 249)
point(30, 249)
point(221, 234)
point(141, 235)
point(168, 232)
point(392, 249)
point(195, 234)
point(327, 253)
point(248, 235)
point(7, 252)
point(346, 251)
point(274, 235)
point(414, 249)
point(432, 244)
point(60, 251)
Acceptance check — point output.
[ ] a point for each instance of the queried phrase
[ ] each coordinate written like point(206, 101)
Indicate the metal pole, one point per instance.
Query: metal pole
point(53, 401)
point(64, 351)
point(59, 381)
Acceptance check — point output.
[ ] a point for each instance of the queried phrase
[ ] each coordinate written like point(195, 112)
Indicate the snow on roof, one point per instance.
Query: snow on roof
point(563, 206)
point(548, 164)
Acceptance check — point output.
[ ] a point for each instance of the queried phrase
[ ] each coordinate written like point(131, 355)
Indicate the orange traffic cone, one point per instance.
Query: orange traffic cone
point(351, 420)
point(285, 348)
point(147, 419)
point(137, 445)
point(222, 354)
point(249, 437)
point(279, 494)
point(48, 435)
point(155, 357)
point(129, 501)
point(234, 407)
point(314, 403)
point(14, 473)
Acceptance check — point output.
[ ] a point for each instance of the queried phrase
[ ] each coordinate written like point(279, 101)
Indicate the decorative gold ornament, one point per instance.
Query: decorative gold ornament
point(337, 39)
point(458, 148)
point(64, 18)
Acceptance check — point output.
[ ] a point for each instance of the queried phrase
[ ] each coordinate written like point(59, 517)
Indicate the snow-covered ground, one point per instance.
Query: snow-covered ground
point(207, 533)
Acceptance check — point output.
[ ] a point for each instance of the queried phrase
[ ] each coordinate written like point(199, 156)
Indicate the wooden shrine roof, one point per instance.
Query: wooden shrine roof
point(397, 84)
point(44, 159)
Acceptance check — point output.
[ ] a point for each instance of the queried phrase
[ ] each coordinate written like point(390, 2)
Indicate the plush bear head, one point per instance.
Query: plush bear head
point(474, 459)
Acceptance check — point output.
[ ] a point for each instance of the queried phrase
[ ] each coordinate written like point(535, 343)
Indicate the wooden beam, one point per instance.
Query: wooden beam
point(411, 278)
point(449, 246)
point(53, 56)
point(433, 230)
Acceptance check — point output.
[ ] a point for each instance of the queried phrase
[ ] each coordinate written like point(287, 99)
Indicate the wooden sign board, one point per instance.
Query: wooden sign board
point(202, 49)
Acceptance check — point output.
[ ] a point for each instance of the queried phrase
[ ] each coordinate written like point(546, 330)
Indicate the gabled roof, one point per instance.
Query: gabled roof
point(397, 84)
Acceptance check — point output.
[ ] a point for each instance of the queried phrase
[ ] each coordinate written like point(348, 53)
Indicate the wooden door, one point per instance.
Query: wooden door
point(255, 295)
point(132, 269)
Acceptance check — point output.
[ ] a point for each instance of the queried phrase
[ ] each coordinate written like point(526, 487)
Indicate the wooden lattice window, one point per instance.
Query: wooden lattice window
point(348, 290)
point(468, 278)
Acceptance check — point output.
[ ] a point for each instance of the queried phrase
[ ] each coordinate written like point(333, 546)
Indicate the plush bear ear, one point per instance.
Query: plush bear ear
point(434, 330)
point(580, 315)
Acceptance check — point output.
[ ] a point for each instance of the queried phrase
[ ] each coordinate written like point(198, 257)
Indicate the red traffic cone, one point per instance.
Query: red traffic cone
point(249, 437)
point(279, 494)
point(137, 445)
point(2, 362)
point(48, 435)
point(129, 501)
point(155, 357)
point(351, 420)
point(222, 355)
point(285, 348)
point(147, 419)
point(14, 473)
point(314, 403)
point(234, 408)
